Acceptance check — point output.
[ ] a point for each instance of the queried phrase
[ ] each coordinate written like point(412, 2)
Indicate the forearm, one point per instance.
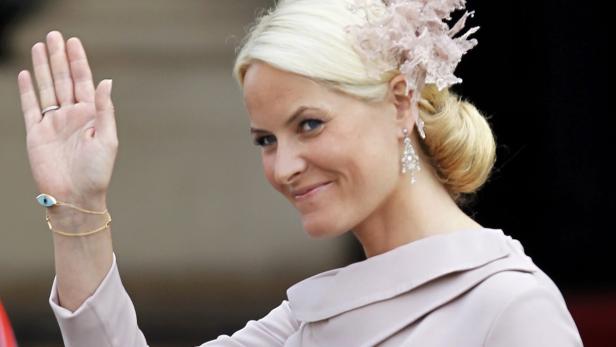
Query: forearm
point(81, 262)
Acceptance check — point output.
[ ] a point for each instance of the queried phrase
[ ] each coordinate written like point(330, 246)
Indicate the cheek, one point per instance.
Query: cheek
point(371, 157)
point(373, 167)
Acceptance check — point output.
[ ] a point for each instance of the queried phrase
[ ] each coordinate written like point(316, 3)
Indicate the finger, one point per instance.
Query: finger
point(42, 73)
point(105, 120)
point(29, 103)
point(80, 70)
point(60, 69)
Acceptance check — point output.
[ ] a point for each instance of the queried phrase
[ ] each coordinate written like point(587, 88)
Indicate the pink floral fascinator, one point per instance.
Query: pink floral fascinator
point(412, 36)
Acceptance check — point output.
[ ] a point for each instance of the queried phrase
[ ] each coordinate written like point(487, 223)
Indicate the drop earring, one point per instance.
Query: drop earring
point(410, 160)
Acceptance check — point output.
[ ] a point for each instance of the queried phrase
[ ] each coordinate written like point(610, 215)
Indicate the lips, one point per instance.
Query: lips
point(305, 191)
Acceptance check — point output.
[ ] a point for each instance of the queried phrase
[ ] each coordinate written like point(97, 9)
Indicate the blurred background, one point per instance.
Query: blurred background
point(204, 244)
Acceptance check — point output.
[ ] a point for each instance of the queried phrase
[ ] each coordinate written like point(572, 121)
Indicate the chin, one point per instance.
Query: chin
point(321, 228)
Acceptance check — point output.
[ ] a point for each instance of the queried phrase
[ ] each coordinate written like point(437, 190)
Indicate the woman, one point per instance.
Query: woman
point(335, 90)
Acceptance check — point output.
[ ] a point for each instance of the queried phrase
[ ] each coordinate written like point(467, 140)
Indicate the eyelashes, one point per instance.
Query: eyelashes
point(308, 121)
point(263, 141)
point(305, 126)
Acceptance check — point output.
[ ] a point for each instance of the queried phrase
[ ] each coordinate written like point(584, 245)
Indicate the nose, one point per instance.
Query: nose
point(289, 164)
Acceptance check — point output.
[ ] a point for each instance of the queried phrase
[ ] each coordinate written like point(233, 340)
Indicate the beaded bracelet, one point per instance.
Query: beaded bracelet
point(48, 201)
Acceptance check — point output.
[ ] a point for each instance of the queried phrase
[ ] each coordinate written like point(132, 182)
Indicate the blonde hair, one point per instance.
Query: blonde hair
point(308, 38)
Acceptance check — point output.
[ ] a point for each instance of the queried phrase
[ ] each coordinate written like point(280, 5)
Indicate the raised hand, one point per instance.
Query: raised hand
point(72, 149)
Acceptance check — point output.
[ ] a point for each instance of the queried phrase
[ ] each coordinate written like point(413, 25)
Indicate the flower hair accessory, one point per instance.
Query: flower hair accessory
point(412, 36)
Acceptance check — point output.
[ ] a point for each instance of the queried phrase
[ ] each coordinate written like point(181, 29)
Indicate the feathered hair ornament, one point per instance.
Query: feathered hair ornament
point(413, 37)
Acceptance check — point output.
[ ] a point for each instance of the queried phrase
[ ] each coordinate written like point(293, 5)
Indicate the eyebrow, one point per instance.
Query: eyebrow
point(291, 119)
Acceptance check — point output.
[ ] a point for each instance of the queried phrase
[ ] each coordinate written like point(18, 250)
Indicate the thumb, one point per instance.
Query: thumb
point(105, 119)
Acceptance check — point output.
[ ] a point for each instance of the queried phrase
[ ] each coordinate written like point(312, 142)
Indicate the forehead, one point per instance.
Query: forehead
point(270, 91)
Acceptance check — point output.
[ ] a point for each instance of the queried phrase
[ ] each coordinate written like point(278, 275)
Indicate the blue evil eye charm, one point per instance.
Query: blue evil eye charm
point(46, 200)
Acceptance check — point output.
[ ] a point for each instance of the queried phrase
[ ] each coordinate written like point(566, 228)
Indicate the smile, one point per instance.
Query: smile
point(311, 193)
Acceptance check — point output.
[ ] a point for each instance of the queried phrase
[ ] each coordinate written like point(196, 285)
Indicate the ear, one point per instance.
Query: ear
point(402, 101)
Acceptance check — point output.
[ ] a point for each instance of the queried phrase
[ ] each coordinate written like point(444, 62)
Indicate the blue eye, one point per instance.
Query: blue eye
point(315, 122)
point(264, 141)
point(304, 126)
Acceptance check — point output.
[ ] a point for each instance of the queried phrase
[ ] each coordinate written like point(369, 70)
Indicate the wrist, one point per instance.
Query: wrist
point(69, 220)
point(77, 210)
point(77, 215)
point(66, 202)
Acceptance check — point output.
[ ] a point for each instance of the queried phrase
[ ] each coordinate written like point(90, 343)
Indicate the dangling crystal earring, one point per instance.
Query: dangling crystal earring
point(410, 160)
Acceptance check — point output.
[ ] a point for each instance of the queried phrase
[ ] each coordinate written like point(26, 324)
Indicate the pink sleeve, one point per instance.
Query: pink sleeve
point(108, 318)
point(272, 330)
point(536, 318)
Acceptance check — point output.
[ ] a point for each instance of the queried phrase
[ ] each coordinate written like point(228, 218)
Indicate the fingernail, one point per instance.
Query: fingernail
point(53, 32)
point(110, 85)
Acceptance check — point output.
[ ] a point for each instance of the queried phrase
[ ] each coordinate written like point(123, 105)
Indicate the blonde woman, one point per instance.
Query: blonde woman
point(349, 101)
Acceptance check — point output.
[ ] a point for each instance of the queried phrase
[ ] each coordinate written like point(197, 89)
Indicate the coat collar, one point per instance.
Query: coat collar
point(399, 270)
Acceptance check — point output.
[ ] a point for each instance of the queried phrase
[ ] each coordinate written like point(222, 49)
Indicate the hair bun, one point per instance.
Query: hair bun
point(459, 141)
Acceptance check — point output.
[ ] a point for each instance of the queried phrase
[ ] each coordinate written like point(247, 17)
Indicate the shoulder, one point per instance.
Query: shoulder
point(527, 310)
point(504, 286)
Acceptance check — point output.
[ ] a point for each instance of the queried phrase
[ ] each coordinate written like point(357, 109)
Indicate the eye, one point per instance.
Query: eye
point(305, 126)
point(310, 124)
point(264, 141)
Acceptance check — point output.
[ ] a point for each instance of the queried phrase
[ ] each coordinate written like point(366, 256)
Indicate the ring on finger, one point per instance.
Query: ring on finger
point(49, 109)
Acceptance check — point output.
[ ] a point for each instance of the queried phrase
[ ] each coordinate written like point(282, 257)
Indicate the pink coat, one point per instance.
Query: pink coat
point(467, 288)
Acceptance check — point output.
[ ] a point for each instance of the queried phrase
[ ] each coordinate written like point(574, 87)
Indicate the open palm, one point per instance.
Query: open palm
point(72, 149)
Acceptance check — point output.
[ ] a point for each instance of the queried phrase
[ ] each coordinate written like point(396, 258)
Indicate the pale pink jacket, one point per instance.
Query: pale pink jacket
point(467, 288)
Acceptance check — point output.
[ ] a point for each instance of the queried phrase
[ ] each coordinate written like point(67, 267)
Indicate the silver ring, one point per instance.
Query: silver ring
point(50, 108)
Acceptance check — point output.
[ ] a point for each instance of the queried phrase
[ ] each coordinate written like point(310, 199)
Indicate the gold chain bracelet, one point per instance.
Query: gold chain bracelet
point(48, 201)
point(64, 233)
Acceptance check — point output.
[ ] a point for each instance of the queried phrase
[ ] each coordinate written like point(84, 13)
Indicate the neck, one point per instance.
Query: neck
point(412, 212)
